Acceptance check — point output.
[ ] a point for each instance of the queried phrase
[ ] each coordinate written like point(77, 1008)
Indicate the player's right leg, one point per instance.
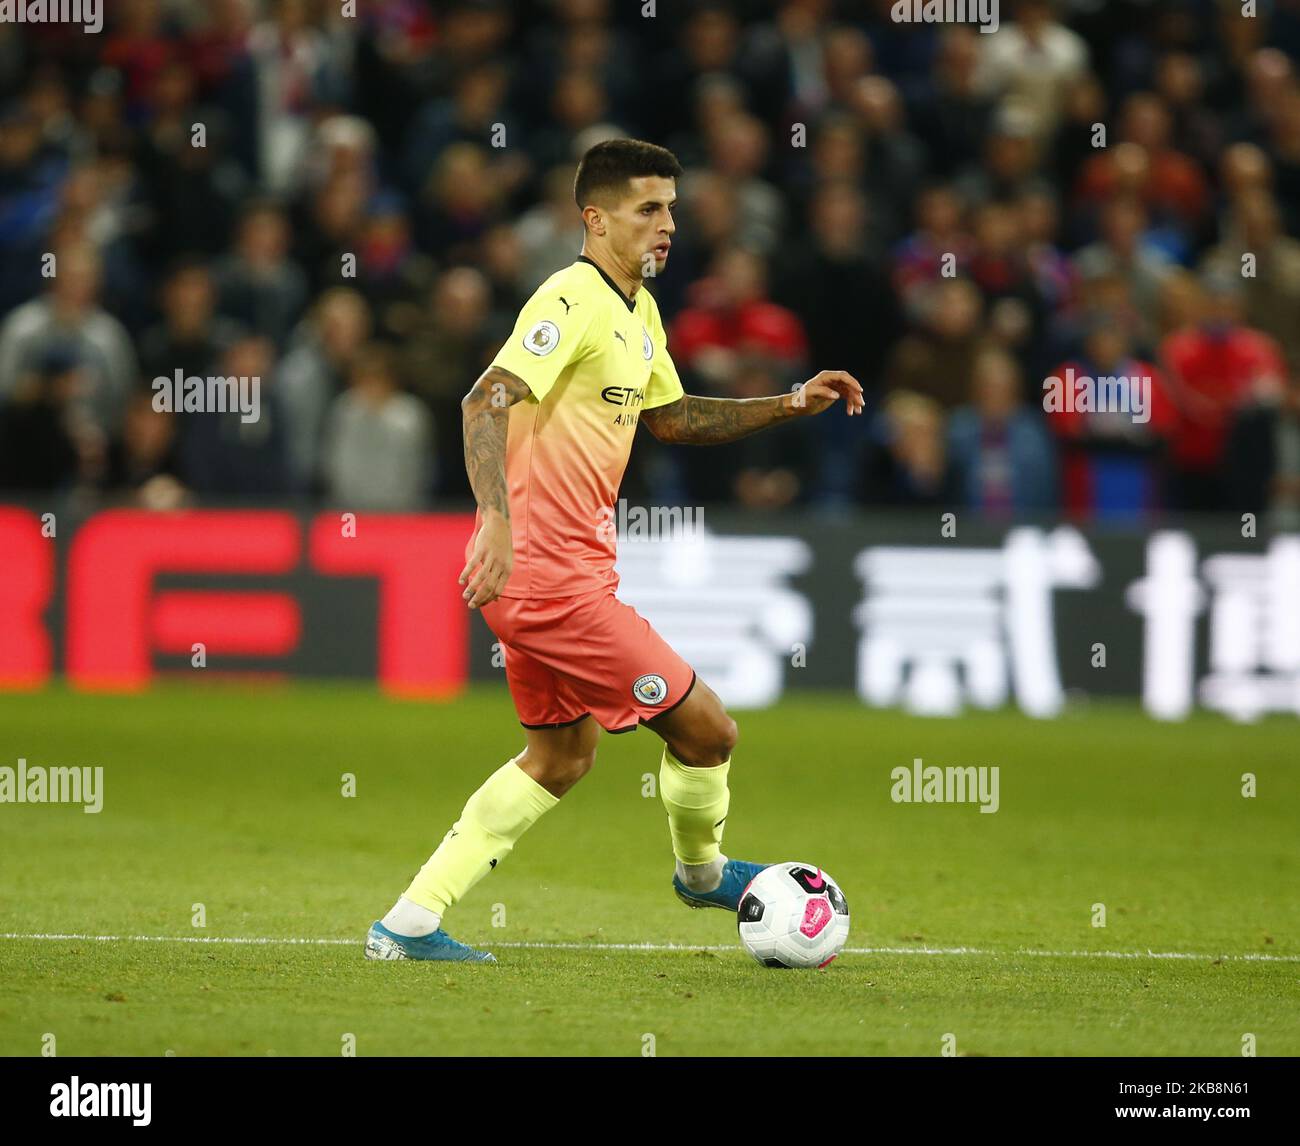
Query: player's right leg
point(509, 802)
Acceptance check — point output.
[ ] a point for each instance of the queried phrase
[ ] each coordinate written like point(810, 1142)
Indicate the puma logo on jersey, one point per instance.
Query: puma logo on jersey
point(567, 305)
point(619, 336)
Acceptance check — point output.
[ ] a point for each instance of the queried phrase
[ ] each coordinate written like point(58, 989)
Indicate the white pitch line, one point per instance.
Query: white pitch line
point(263, 941)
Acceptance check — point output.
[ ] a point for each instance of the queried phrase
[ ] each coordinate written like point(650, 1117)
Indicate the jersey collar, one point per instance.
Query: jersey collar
point(628, 302)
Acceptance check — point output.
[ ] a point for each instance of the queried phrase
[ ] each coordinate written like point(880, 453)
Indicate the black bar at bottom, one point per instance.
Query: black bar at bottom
point(811, 1095)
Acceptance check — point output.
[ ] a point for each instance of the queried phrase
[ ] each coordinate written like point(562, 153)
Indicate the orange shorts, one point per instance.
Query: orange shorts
point(589, 655)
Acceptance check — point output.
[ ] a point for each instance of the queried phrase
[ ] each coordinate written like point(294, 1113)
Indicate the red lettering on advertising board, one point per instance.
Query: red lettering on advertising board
point(423, 622)
point(26, 585)
point(114, 617)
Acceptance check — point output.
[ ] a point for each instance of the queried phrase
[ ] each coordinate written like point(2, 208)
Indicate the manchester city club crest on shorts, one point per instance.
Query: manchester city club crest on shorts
point(650, 689)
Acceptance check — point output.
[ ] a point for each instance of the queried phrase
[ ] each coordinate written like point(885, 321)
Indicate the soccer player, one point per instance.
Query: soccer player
point(548, 429)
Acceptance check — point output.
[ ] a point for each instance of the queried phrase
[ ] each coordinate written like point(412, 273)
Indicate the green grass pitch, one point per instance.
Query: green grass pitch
point(232, 798)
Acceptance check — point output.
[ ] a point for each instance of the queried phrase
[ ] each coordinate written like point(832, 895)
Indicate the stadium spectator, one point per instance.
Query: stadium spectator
point(550, 233)
point(476, 106)
point(458, 203)
point(41, 443)
point(938, 246)
point(1243, 168)
point(762, 471)
point(378, 451)
point(838, 153)
point(141, 464)
point(1074, 144)
point(138, 48)
point(827, 61)
point(192, 191)
point(906, 462)
point(999, 266)
point(398, 47)
point(837, 280)
point(1012, 156)
point(952, 115)
point(578, 105)
point(1122, 249)
point(895, 158)
point(1268, 262)
point(1055, 278)
point(298, 73)
point(1001, 455)
point(1182, 301)
point(455, 341)
point(1034, 59)
point(1171, 185)
point(1268, 75)
point(708, 225)
point(503, 261)
point(1112, 461)
point(852, 318)
point(390, 270)
point(578, 35)
point(314, 373)
point(936, 359)
point(191, 336)
point(258, 284)
point(713, 41)
point(1264, 456)
point(1194, 128)
point(1284, 150)
point(99, 206)
point(1214, 368)
point(332, 229)
point(31, 175)
point(731, 316)
point(218, 47)
point(223, 454)
point(68, 314)
point(738, 146)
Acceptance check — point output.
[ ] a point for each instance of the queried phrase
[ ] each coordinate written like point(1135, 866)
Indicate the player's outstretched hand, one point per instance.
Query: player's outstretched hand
point(823, 389)
point(488, 567)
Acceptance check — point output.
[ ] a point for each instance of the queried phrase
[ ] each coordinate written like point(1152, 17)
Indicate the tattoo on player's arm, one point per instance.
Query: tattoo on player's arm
point(486, 409)
point(696, 421)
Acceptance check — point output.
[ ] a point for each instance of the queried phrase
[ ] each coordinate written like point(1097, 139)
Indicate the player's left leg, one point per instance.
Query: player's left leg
point(494, 818)
point(698, 737)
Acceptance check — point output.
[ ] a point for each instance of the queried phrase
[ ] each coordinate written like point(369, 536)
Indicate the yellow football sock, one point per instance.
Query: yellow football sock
point(503, 809)
point(697, 801)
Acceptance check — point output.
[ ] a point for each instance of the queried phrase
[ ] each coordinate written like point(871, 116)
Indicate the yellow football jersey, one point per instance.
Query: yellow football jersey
point(593, 359)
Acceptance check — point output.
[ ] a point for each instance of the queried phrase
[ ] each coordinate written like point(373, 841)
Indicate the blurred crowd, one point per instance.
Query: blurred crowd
point(354, 207)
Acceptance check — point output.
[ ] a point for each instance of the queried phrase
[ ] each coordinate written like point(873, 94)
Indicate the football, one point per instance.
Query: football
point(793, 915)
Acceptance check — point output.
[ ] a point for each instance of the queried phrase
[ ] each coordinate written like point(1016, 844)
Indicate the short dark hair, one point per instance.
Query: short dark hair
point(608, 166)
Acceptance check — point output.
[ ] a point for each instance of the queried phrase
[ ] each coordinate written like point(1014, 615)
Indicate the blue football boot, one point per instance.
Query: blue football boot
point(384, 944)
point(736, 876)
